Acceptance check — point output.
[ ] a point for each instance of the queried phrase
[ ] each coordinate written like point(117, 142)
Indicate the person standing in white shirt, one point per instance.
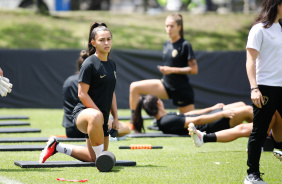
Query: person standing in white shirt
point(264, 70)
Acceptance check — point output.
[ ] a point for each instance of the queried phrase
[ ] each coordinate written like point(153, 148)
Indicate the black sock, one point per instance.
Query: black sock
point(209, 137)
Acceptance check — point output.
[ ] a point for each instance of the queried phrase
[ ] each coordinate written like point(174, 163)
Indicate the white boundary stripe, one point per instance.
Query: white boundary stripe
point(8, 181)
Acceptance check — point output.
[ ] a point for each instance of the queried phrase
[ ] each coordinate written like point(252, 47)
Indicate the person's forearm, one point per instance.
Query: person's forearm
point(114, 107)
point(200, 111)
point(184, 71)
point(208, 118)
point(251, 72)
point(87, 101)
point(251, 67)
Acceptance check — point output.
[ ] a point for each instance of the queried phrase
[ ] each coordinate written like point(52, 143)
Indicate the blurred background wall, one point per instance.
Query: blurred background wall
point(38, 82)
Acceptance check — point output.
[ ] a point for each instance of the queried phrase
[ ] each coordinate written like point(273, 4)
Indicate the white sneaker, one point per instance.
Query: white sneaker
point(254, 179)
point(196, 135)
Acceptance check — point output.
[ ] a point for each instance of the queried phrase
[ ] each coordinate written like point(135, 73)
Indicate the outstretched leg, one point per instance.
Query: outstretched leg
point(244, 113)
point(234, 105)
point(234, 133)
point(227, 135)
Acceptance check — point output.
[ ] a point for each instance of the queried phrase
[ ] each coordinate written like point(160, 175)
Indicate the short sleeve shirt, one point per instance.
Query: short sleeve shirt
point(70, 99)
point(101, 77)
point(177, 55)
point(268, 42)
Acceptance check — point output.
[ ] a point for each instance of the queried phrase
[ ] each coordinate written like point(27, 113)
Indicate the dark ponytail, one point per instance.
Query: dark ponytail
point(96, 26)
point(179, 21)
point(81, 58)
point(137, 117)
point(150, 104)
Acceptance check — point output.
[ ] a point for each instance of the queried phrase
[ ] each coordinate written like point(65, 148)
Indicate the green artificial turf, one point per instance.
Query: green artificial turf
point(178, 162)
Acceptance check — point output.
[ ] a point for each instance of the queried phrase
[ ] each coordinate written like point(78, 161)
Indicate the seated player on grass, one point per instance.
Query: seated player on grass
point(242, 130)
point(215, 118)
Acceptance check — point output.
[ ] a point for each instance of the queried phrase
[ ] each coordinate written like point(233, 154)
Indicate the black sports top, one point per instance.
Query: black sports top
point(101, 76)
point(177, 55)
point(70, 99)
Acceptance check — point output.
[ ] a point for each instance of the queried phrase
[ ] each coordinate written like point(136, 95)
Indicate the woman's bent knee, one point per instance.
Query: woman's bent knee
point(96, 117)
point(134, 86)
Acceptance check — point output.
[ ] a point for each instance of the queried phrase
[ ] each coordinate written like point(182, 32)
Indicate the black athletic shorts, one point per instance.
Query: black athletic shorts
point(172, 123)
point(215, 126)
point(73, 132)
point(105, 127)
point(181, 97)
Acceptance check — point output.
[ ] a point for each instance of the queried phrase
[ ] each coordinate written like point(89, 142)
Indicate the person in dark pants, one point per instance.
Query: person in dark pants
point(264, 53)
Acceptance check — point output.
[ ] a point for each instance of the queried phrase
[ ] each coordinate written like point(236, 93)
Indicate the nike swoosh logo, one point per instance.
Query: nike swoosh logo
point(102, 76)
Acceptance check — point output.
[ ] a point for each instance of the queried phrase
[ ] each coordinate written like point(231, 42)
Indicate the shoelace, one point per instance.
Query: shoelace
point(259, 176)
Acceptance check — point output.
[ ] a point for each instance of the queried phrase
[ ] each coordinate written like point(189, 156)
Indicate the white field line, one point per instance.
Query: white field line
point(5, 180)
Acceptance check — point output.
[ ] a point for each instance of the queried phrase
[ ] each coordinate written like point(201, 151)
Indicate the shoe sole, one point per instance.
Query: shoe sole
point(193, 132)
point(251, 182)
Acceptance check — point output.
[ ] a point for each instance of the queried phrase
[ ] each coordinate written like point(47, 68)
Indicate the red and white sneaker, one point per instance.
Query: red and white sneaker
point(196, 135)
point(49, 150)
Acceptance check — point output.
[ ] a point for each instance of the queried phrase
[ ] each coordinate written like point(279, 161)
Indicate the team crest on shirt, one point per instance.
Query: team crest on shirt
point(180, 102)
point(115, 73)
point(265, 100)
point(174, 53)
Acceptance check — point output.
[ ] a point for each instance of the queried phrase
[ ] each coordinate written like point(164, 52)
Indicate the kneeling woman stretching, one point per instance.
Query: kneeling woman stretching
point(96, 85)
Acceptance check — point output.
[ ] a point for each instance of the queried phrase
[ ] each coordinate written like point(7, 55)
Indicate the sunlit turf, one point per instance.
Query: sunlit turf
point(178, 162)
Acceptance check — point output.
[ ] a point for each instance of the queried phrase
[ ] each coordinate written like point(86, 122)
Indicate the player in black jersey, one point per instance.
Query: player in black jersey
point(70, 100)
point(96, 85)
point(209, 120)
point(179, 61)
